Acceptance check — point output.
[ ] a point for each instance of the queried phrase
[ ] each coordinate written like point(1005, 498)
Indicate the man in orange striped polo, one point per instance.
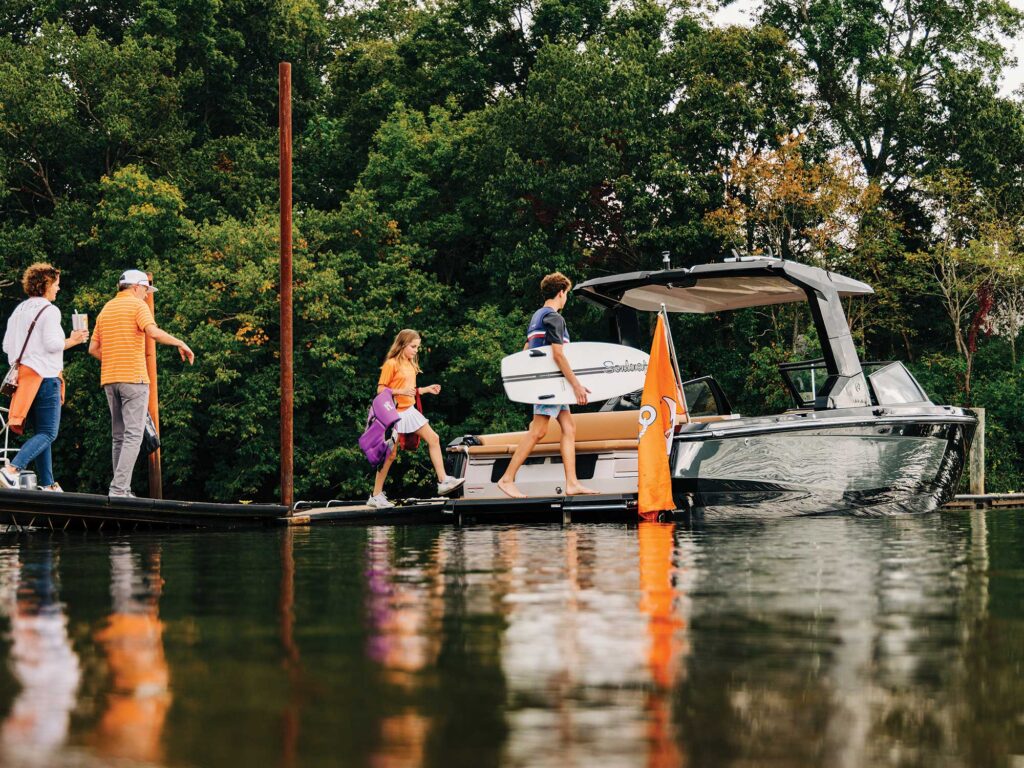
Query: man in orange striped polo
point(119, 343)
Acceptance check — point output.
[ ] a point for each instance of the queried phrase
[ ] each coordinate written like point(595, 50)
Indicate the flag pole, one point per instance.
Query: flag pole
point(675, 363)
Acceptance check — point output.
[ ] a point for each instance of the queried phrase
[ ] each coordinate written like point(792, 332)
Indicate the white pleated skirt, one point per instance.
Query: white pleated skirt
point(410, 421)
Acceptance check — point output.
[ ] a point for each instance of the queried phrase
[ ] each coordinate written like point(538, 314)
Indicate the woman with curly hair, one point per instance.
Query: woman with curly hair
point(40, 390)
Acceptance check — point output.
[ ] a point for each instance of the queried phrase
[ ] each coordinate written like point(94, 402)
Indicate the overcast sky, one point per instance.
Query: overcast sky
point(739, 13)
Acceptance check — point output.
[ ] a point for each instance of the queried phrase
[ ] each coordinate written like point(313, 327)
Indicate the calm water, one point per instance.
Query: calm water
point(826, 642)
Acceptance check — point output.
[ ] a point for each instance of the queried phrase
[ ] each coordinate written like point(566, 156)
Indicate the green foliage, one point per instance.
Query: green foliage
point(1004, 430)
point(447, 155)
point(764, 392)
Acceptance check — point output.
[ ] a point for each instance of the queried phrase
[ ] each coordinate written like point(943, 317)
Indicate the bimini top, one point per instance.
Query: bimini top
point(733, 284)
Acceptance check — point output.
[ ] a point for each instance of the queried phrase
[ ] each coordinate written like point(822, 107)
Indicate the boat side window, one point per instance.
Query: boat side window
point(704, 397)
point(804, 379)
point(893, 384)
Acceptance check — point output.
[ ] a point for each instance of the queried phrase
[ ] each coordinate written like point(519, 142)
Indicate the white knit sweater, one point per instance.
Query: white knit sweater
point(45, 351)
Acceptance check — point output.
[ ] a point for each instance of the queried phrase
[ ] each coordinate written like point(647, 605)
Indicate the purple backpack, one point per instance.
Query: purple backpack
point(378, 440)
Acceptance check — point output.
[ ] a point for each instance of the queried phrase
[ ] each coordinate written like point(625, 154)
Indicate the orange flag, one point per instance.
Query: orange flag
point(658, 408)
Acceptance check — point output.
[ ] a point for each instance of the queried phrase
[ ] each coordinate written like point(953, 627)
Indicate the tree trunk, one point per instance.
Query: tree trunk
point(906, 345)
point(967, 380)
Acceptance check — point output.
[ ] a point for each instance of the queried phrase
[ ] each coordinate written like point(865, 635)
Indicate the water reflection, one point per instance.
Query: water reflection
point(404, 608)
point(40, 657)
point(131, 644)
point(663, 599)
point(833, 642)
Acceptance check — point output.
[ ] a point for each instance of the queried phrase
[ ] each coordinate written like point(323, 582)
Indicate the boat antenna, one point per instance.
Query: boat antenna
point(666, 260)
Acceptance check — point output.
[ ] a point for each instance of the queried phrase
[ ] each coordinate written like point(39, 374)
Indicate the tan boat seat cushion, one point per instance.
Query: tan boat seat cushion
point(601, 431)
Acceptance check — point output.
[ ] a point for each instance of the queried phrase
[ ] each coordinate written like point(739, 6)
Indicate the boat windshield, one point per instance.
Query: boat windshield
point(804, 379)
point(893, 384)
point(890, 383)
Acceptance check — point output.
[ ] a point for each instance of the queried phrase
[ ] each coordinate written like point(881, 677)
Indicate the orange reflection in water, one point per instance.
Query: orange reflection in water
point(132, 723)
point(665, 628)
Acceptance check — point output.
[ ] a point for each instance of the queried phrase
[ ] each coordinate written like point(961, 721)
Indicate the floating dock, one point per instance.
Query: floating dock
point(551, 509)
point(89, 511)
point(85, 511)
point(338, 512)
point(986, 501)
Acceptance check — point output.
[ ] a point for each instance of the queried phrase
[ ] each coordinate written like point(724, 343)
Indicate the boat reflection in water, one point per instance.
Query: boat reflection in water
point(576, 632)
point(833, 641)
point(818, 642)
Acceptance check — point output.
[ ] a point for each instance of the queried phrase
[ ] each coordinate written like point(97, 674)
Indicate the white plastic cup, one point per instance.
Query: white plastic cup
point(79, 321)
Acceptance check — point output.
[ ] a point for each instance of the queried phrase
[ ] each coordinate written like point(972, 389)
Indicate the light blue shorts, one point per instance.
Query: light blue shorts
point(549, 410)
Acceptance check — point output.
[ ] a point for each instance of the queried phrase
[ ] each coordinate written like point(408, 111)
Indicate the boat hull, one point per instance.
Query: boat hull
point(849, 463)
point(867, 461)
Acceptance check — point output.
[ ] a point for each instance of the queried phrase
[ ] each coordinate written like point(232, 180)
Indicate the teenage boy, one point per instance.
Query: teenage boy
point(547, 328)
point(119, 343)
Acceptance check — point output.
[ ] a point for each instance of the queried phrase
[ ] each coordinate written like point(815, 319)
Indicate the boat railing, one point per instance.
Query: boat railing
point(7, 452)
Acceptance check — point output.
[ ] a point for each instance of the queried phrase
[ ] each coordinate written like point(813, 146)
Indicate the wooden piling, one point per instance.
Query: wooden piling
point(156, 482)
point(976, 459)
point(284, 75)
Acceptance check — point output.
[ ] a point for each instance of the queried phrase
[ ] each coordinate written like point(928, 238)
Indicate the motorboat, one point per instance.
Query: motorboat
point(860, 437)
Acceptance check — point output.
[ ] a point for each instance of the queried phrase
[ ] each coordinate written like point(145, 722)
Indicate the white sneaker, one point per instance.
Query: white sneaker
point(9, 476)
point(380, 501)
point(449, 485)
point(55, 488)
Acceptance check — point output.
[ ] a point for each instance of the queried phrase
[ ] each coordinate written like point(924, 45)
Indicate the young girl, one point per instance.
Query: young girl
point(399, 374)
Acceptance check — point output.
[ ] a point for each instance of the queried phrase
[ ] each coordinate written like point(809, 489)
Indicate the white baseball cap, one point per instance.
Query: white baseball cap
point(134, 277)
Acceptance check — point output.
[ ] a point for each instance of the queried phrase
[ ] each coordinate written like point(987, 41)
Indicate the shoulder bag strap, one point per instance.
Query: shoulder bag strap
point(29, 334)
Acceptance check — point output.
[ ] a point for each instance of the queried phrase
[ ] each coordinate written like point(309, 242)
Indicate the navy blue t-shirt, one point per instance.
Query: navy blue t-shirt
point(546, 327)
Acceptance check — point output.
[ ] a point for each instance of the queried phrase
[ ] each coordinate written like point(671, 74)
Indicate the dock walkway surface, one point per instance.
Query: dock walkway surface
point(986, 501)
point(76, 511)
point(66, 511)
point(563, 509)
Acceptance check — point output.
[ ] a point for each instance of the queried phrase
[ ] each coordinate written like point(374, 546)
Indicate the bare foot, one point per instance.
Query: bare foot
point(579, 490)
point(509, 489)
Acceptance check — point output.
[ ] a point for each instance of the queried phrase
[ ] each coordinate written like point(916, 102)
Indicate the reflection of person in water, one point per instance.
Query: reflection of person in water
point(41, 659)
point(132, 642)
point(404, 619)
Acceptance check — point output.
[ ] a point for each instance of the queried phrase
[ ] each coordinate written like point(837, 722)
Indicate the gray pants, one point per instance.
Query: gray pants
point(128, 405)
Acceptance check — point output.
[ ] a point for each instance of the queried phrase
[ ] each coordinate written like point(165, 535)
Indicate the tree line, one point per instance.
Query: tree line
point(448, 154)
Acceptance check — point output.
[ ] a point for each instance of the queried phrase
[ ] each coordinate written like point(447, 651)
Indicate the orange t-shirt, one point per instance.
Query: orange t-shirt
point(121, 332)
point(398, 374)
